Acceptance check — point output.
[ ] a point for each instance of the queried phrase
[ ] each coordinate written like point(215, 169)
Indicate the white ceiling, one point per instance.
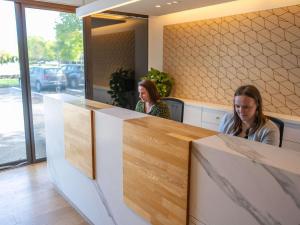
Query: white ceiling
point(147, 7)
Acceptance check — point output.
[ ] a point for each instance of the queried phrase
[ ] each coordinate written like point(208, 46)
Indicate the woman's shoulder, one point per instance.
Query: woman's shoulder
point(161, 109)
point(270, 125)
point(226, 123)
point(267, 128)
point(228, 116)
point(139, 102)
point(139, 107)
point(161, 104)
point(268, 133)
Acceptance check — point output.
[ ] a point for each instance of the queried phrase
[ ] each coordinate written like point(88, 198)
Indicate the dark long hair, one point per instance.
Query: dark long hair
point(252, 92)
point(152, 90)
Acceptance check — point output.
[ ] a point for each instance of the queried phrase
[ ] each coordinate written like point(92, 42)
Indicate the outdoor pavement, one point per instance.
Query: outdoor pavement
point(12, 137)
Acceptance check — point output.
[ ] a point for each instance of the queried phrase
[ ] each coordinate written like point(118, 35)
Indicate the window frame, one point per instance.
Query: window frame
point(20, 6)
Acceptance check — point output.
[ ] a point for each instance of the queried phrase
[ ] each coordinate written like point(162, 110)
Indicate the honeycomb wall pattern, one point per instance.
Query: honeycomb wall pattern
point(111, 52)
point(209, 59)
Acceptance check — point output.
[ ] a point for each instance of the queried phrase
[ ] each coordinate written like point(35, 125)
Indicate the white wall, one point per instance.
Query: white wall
point(156, 23)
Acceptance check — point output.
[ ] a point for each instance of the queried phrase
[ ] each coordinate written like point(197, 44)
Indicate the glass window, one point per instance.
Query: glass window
point(12, 131)
point(54, 41)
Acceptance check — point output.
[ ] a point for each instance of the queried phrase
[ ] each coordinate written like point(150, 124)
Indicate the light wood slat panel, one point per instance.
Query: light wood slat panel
point(156, 161)
point(78, 138)
point(90, 104)
point(79, 134)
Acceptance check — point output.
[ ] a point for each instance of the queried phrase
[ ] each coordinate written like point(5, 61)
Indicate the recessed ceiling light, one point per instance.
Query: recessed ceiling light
point(157, 6)
point(175, 2)
point(169, 3)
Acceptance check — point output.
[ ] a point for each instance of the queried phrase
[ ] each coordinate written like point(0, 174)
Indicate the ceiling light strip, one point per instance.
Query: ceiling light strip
point(100, 6)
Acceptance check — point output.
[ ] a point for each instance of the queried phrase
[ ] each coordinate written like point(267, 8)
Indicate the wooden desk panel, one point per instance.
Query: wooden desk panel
point(79, 134)
point(156, 161)
point(79, 149)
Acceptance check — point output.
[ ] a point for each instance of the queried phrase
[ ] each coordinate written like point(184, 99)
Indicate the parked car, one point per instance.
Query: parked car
point(74, 74)
point(46, 77)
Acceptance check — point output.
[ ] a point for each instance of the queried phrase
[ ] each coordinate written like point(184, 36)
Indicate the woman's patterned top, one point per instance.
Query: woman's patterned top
point(160, 109)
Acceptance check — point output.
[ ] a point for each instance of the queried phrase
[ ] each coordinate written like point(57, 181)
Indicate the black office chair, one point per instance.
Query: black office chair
point(280, 125)
point(176, 108)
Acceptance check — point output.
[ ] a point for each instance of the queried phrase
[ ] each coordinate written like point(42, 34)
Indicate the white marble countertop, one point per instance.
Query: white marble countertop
point(63, 97)
point(281, 158)
point(121, 113)
point(252, 183)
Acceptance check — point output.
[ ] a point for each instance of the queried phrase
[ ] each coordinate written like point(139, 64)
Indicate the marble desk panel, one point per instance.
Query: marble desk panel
point(239, 182)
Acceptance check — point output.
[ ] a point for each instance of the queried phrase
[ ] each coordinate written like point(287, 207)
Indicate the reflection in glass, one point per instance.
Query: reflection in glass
point(119, 46)
point(12, 135)
point(55, 51)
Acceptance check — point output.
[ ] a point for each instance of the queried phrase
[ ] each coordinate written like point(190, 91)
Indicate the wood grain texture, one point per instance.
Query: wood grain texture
point(90, 104)
point(156, 162)
point(29, 198)
point(47, 6)
point(79, 134)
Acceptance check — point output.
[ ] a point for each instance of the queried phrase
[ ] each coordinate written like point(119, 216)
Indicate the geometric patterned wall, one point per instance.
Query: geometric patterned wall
point(110, 52)
point(209, 59)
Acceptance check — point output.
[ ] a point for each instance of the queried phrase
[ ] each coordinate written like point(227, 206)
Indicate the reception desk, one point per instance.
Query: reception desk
point(154, 171)
point(236, 181)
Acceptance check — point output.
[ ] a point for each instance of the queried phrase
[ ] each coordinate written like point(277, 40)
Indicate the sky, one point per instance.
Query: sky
point(38, 23)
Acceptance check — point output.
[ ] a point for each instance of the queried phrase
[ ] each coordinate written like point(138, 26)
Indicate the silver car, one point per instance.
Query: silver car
point(42, 77)
point(74, 75)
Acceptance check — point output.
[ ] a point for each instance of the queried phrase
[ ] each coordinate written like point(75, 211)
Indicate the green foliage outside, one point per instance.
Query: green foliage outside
point(122, 81)
point(67, 47)
point(7, 58)
point(40, 50)
point(162, 80)
point(9, 82)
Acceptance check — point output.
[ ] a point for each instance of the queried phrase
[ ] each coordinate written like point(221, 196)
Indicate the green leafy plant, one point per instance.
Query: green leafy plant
point(122, 81)
point(7, 58)
point(162, 80)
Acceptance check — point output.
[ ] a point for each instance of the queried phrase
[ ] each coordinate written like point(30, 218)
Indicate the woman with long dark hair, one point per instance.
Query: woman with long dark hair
point(150, 100)
point(248, 120)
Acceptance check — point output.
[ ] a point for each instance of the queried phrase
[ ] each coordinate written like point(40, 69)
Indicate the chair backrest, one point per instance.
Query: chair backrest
point(176, 108)
point(280, 125)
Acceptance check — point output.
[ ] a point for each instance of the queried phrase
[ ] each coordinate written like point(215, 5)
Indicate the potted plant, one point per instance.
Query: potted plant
point(121, 82)
point(162, 80)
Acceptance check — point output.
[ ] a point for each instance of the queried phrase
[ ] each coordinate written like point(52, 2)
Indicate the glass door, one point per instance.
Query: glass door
point(12, 132)
point(41, 52)
point(55, 55)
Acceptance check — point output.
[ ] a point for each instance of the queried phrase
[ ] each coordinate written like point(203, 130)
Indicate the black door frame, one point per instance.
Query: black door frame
point(25, 85)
